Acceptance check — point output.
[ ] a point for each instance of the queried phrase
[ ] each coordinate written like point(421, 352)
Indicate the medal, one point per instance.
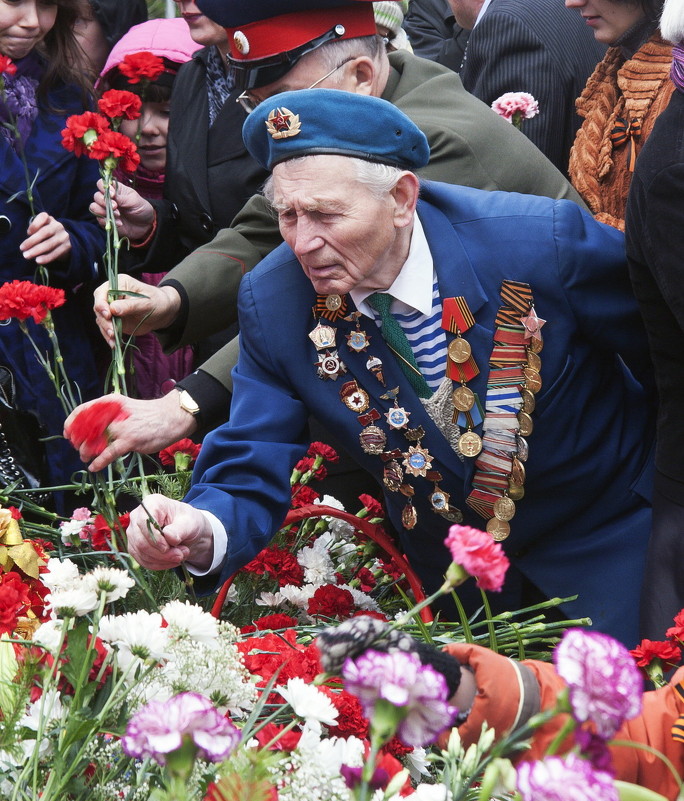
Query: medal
point(516, 492)
point(463, 399)
point(459, 350)
point(528, 400)
point(374, 365)
point(526, 424)
point(330, 366)
point(358, 341)
point(323, 336)
point(533, 360)
point(354, 397)
point(392, 475)
point(523, 448)
point(533, 380)
point(504, 508)
point(499, 529)
point(373, 440)
point(397, 417)
point(417, 461)
point(409, 516)
point(469, 443)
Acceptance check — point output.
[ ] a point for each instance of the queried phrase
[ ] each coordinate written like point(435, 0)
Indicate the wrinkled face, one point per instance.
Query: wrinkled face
point(465, 12)
point(343, 236)
point(203, 30)
point(24, 23)
point(609, 19)
point(154, 128)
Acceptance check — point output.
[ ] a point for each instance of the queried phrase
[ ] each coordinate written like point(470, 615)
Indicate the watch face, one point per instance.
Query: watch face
point(188, 403)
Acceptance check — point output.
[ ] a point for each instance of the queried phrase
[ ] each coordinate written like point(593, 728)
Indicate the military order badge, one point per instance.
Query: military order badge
point(283, 124)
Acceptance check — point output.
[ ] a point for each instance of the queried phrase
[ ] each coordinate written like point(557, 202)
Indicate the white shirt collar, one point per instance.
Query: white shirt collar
point(412, 288)
point(485, 6)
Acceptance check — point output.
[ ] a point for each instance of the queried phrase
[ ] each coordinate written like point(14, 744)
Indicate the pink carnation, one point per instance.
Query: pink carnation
point(512, 103)
point(479, 555)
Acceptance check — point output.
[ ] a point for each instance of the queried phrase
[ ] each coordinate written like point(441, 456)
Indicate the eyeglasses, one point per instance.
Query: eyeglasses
point(249, 103)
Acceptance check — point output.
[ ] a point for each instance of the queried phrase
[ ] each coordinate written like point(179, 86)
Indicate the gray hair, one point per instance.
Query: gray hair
point(672, 21)
point(379, 178)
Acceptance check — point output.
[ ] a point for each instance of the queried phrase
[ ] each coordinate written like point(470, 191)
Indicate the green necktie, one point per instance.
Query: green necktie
point(394, 336)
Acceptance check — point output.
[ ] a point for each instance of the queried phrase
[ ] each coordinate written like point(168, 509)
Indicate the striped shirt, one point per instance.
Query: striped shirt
point(417, 310)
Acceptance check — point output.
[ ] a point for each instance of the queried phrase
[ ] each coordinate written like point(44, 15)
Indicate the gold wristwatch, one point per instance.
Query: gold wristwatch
point(187, 402)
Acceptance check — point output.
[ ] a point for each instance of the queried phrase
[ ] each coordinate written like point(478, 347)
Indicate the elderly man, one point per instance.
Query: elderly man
point(516, 323)
point(316, 43)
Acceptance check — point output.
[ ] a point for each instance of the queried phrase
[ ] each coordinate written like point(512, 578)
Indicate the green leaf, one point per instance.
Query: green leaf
point(8, 670)
point(631, 792)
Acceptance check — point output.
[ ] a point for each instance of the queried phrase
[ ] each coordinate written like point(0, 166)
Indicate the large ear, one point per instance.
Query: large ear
point(405, 195)
point(360, 76)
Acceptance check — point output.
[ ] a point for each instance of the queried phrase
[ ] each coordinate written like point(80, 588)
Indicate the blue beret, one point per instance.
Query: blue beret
point(331, 121)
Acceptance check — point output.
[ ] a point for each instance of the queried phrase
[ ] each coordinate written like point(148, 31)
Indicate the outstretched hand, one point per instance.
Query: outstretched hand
point(150, 426)
point(134, 215)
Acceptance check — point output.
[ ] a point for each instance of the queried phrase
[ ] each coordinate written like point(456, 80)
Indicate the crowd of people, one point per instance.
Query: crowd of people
point(542, 394)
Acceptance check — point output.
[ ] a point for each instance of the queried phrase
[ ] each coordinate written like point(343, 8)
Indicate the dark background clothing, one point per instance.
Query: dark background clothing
point(654, 231)
point(434, 34)
point(117, 16)
point(540, 47)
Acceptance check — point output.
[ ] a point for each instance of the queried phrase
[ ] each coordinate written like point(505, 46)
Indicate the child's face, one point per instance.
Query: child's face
point(154, 128)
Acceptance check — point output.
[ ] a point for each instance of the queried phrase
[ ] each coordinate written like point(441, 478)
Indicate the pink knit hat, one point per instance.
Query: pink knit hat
point(166, 38)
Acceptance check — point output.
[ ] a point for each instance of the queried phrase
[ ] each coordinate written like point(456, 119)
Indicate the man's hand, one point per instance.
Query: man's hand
point(181, 534)
point(48, 240)
point(150, 426)
point(156, 309)
point(133, 214)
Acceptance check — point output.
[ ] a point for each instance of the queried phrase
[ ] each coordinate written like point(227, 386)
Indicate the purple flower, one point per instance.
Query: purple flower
point(159, 728)
point(569, 779)
point(605, 685)
point(594, 748)
point(418, 691)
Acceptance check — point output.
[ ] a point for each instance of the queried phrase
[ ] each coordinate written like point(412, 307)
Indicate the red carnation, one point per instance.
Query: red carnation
point(181, 454)
point(16, 514)
point(137, 66)
point(22, 299)
point(14, 600)
point(270, 622)
point(288, 742)
point(279, 564)
point(7, 66)
point(82, 130)
point(117, 103)
point(677, 631)
point(101, 538)
point(115, 145)
point(351, 721)
point(90, 425)
point(321, 449)
point(372, 506)
point(303, 495)
point(648, 650)
point(331, 601)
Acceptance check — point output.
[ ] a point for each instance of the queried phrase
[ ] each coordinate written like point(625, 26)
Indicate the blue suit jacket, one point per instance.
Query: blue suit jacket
point(583, 524)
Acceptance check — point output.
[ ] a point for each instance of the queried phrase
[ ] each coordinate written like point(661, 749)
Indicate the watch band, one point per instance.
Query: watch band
point(187, 402)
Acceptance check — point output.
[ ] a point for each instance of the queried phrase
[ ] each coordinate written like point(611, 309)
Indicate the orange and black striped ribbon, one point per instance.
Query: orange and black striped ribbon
point(456, 315)
point(626, 132)
point(678, 727)
point(322, 310)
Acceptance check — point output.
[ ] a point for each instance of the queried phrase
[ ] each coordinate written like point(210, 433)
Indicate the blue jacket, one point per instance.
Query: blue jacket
point(583, 524)
point(64, 188)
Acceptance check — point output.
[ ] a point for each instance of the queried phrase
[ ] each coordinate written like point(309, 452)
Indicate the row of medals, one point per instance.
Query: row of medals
point(417, 460)
point(504, 507)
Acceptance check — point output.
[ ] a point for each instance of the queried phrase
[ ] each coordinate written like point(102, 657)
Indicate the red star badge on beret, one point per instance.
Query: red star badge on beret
point(533, 325)
point(280, 121)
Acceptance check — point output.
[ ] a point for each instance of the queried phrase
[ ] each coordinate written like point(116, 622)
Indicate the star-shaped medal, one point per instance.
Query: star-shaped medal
point(533, 325)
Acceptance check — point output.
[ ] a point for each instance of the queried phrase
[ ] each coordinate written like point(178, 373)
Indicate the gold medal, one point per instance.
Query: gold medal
point(533, 380)
point(499, 529)
point(469, 443)
point(528, 400)
point(392, 475)
point(459, 350)
point(517, 472)
point(453, 514)
point(409, 516)
point(536, 345)
point(533, 360)
point(526, 424)
point(323, 336)
point(463, 398)
point(516, 492)
point(333, 302)
point(504, 508)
